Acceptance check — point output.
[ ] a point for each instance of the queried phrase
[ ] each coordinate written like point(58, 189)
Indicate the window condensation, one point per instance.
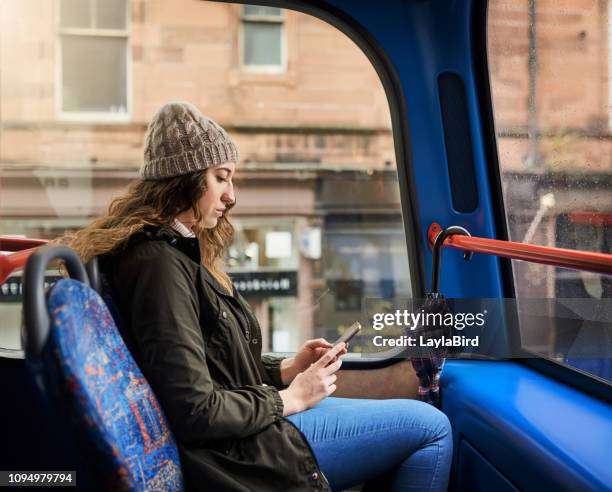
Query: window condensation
point(552, 116)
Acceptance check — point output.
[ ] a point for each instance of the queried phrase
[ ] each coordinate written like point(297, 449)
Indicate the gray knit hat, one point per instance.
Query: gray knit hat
point(181, 140)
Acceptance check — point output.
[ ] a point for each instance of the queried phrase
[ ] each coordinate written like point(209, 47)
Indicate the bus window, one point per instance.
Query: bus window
point(318, 218)
point(550, 79)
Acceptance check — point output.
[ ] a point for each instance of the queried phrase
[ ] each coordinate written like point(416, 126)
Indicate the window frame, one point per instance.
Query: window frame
point(60, 32)
point(263, 19)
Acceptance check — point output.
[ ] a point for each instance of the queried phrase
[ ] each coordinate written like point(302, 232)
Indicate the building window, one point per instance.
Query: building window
point(93, 59)
point(263, 38)
point(609, 64)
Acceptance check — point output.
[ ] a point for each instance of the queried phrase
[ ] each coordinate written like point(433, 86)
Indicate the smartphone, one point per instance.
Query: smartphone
point(349, 333)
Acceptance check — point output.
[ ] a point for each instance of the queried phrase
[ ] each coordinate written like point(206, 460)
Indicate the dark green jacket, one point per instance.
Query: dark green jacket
point(200, 350)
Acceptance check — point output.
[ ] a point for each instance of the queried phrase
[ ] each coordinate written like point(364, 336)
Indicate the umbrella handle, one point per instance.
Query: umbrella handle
point(436, 254)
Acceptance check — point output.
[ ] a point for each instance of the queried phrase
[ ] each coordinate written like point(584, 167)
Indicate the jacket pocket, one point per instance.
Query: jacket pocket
point(214, 330)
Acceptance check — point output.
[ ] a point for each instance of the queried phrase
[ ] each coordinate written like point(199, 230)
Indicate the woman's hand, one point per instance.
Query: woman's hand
point(308, 354)
point(315, 383)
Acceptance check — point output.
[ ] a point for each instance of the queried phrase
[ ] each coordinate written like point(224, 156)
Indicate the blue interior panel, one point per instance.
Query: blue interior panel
point(476, 474)
point(538, 432)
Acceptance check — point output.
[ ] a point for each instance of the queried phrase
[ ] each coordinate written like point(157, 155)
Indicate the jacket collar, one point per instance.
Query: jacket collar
point(212, 281)
point(190, 246)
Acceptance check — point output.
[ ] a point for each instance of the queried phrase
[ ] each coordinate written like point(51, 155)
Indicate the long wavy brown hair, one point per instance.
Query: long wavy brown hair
point(155, 203)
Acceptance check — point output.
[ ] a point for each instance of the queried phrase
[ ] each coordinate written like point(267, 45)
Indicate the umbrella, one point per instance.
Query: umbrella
point(429, 361)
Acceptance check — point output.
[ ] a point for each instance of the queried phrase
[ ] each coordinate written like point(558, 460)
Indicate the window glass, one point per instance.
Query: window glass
point(318, 222)
point(111, 14)
point(262, 37)
point(94, 74)
point(75, 13)
point(93, 60)
point(262, 43)
point(550, 78)
point(258, 244)
point(258, 10)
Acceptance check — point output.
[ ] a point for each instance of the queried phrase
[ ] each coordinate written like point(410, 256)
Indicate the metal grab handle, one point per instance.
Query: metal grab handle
point(36, 322)
point(436, 254)
point(93, 272)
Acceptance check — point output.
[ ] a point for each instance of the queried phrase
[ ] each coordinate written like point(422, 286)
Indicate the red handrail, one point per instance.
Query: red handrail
point(22, 247)
point(566, 258)
point(19, 243)
point(13, 262)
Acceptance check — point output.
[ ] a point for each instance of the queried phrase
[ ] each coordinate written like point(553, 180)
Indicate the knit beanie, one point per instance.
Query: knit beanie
point(181, 140)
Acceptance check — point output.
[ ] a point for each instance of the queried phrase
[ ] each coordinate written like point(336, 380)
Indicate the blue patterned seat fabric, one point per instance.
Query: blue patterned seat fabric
point(89, 368)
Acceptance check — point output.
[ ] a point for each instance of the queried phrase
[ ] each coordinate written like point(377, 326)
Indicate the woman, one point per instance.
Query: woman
point(243, 421)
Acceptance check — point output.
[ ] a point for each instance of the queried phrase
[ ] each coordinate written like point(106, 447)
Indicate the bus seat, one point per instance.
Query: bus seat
point(93, 273)
point(82, 365)
point(101, 284)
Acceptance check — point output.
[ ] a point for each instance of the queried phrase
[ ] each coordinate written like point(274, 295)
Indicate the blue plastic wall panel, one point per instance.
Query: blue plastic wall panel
point(476, 474)
point(537, 432)
point(423, 39)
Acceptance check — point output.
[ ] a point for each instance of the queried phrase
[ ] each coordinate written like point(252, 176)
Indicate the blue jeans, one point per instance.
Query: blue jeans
point(394, 445)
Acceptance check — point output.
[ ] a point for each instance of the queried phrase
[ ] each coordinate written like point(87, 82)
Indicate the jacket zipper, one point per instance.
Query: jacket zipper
point(310, 449)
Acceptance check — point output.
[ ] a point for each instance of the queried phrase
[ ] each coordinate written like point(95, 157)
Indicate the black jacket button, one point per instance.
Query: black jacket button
point(315, 475)
point(224, 314)
point(255, 341)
